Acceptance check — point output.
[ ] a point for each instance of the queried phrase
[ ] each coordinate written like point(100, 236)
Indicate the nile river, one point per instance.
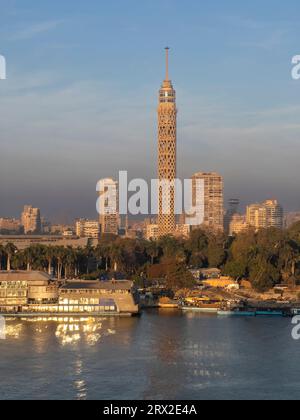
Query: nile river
point(165, 356)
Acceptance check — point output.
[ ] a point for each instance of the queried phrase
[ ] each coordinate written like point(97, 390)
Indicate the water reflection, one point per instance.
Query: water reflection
point(187, 348)
point(13, 331)
point(80, 384)
point(68, 331)
point(159, 356)
point(72, 331)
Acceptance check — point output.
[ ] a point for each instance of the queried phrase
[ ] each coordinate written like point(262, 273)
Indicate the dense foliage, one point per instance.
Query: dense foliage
point(266, 258)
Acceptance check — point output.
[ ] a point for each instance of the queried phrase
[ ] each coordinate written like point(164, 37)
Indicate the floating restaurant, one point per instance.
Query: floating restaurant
point(35, 293)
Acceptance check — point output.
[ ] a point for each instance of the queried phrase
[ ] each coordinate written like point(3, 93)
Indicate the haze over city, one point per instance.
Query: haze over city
point(80, 98)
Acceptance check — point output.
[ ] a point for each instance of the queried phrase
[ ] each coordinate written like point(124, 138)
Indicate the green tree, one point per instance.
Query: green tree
point(216, 253)
point(10, 250)
point(179, 277)
point(263, 275)
point(50, 255)
point(2, 255)
point(196, 248)
point(152, 250)
point(29, 256)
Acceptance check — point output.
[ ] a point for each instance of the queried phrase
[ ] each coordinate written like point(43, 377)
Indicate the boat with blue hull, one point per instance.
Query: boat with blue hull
point(237, 313)
point(254, 313)
point(270, 313)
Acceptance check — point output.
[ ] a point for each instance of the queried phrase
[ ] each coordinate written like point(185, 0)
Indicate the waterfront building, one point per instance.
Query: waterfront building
point(87, 228)
point(108, 206)
point(210, 195)
point(238, 224)
point(30, 293)
point(265, 215)
point(20, 288)
point(167, 144)
point(31, 220)
point(116, 296)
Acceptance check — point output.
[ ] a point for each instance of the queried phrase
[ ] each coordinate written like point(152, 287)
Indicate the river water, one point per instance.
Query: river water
point(162, 355)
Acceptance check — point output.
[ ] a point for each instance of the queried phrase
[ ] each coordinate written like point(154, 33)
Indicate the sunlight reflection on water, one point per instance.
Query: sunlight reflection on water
point(153, 357)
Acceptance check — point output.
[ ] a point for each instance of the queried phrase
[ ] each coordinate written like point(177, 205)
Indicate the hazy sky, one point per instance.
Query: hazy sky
point(81, 96)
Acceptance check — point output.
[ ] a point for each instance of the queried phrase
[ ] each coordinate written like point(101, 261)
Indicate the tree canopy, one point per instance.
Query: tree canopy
point(265, 258)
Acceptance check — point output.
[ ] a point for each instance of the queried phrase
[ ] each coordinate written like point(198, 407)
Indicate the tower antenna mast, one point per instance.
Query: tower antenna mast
point(167, 63)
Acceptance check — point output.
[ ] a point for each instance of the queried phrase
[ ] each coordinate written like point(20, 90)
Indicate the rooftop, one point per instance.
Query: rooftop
point(24, 276)
point(98, 285)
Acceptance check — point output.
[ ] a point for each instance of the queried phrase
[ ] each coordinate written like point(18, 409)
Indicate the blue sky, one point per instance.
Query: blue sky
point(81, 96)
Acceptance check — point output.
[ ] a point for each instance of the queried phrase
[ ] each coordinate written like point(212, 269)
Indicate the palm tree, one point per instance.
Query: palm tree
point(105, 251)
point(10, 251)
point(116, 255)
point(18, 261)
point(152, 250)
point(49, 255)
point(70, 261)
point(88, 253)
point(29, 256)
point(60, 254)
point(2, 254)
point(100, 254)
point(80, 260)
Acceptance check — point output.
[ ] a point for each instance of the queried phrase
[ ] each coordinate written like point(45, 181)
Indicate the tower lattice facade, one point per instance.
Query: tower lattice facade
point(167, 143)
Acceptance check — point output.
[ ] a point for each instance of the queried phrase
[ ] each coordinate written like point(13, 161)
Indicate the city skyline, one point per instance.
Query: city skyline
point(70, 114)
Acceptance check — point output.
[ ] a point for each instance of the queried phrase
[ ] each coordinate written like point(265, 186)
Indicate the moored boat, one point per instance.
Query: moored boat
point(201, 309)
point(201, 304)
point(295, 311)
point(270, 312)
point(166, 303)
point(237, 313)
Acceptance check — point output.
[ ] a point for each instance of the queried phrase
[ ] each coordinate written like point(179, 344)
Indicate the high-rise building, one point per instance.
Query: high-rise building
point(265, 215)
point(87, 228)
point(233, 209)
point(167, 143)
point(108, 207)
point(31, 220)
point(211, 198)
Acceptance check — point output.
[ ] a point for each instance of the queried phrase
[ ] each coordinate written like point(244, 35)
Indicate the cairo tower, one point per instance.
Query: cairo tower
point(167, 139)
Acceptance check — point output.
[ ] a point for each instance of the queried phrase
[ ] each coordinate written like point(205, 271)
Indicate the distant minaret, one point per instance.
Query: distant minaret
point(167, 139)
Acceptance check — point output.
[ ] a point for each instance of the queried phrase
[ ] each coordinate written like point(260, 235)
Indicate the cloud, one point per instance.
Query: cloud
point(35, 29)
